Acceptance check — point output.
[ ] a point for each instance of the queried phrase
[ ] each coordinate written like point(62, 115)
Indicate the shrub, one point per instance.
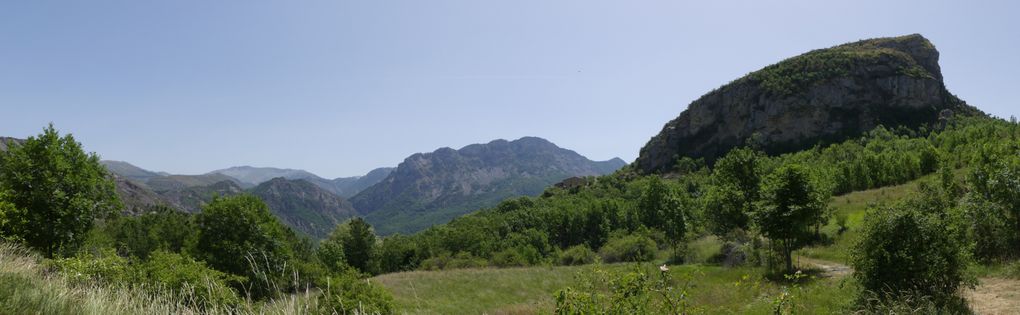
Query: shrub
point(903, 249)
point(445, 261)
point(628, 248)
point(191, 280)
point(516, 257)
point(348, 294)
point(577, 255)
point(161, 228)
point(103, 266)
point(988, 228)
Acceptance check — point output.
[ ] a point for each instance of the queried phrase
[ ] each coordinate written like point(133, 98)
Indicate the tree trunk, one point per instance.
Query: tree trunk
point(789, 255)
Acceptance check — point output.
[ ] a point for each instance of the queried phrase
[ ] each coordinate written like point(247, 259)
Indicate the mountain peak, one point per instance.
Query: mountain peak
point(429, 188)
point(822, 96)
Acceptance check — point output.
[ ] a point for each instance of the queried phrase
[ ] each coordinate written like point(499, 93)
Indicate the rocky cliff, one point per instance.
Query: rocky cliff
point(822, 96)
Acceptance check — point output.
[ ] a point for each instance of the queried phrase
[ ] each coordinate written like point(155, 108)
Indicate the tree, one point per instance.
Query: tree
point(357, 240)
point(790, 206)
point(663, 208)
point(742, 168)
point(55, 191)
point(724, 209)
point(331, 255)
point(240, 236)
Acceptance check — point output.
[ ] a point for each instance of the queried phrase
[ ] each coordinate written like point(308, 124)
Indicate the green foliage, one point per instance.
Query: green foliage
point(239, 235)
point(162, 228)
point(725, 210)
point(191, 280)
point(57, 192)
point(908, 249)
point(357, 240)
point(791, 204)
point(398, 253)
point(744, 169)
point(577, 255)
point(629, 248)
point(798, 73)
point(445, 260)
point(103, 266)
point(331, 254)
point(635, 292)
point(347, 293)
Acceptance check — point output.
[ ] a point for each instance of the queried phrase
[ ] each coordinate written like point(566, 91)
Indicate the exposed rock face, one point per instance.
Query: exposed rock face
point(433, 188)
point(823, 96)
point(304, 206)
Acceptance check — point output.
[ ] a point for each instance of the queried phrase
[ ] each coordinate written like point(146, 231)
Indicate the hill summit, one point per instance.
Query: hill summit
point(823, 96)
point(432, 188)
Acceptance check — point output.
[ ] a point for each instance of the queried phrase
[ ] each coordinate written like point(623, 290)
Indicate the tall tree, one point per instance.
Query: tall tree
point(791, 205)
point(57, 191)
point(357, 239)
point(663, 208)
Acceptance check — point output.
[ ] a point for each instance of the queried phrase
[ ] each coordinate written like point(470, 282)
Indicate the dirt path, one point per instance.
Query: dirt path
point(829, 268)
point(995, 296)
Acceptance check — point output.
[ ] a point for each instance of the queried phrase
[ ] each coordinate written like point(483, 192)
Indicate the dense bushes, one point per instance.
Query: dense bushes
point(347, 293)
point(912, 248)
point(629, 248)
point(577, 255)
point(240, 236)
point(190, 281)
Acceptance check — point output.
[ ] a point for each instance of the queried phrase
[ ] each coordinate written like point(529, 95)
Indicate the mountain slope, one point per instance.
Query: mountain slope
point(436, 187)
point(344, 186)
point(5, 140)
point(822, 96)
point(129, 171)
point(349, 186)
point(192, 198)
point(304, 206)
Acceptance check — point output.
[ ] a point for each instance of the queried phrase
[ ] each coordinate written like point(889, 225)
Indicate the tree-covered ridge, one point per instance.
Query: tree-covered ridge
point(797, 73)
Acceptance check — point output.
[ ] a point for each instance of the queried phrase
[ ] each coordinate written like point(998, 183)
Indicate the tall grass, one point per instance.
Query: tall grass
point(27, 287)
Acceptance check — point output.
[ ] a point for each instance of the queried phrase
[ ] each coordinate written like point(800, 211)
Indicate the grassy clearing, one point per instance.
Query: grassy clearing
point(716, 290)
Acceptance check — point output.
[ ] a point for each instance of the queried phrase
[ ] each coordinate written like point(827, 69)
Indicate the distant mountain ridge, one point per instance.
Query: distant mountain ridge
point(431, 188)
point(426, 189)
point(344, 186)
point(304, 206)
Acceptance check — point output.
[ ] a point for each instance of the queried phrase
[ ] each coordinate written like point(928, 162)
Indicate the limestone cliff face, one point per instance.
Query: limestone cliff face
point(823, 96)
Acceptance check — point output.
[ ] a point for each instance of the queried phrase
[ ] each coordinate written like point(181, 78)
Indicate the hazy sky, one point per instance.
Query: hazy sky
point(341, 87)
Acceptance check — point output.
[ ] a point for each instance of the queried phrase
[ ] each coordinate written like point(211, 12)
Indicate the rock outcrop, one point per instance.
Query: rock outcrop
point(823, 96)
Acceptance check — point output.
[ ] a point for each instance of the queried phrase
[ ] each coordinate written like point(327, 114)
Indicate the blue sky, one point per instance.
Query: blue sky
point(341, 87)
